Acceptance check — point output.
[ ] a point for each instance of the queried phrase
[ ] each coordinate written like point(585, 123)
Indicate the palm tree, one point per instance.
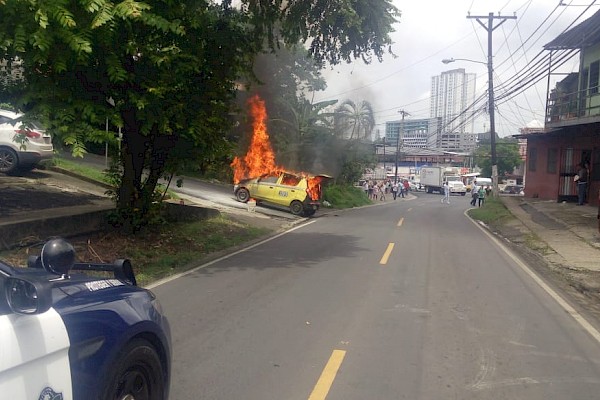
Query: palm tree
point(355, 122)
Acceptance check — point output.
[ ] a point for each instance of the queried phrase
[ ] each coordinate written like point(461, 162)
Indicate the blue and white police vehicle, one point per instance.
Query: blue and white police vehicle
point(65, 334)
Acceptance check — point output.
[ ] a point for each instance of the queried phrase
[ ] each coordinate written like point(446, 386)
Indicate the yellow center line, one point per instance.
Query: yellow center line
point(387, 253)
point(324, 383)
point(400, 222)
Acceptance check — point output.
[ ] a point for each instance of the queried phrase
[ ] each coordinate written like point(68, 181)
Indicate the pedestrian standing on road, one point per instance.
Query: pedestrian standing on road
point(481, 195)
point(366, 188)
point(401, 188)
point(446, 198)
point(382, 192)
point(581, 178)
point(395, 190)
point(371, 185)
point(474, 194)
point(375, 192)
point(406, 186)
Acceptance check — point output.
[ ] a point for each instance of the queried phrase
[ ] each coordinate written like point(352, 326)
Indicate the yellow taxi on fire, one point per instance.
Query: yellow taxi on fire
point(300, 193)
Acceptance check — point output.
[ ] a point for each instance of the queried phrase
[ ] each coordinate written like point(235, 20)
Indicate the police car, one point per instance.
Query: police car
point(68, 335)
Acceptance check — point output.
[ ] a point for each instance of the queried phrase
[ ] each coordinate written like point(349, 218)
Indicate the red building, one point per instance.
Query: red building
point(572, 127)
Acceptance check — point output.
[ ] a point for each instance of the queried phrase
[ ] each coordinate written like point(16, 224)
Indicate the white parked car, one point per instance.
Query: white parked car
point(21, 147)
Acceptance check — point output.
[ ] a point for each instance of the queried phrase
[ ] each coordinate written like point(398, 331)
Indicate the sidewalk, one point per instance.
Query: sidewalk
point(571, 231)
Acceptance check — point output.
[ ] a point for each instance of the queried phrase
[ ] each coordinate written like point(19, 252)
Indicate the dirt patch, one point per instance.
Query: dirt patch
point(581, 287)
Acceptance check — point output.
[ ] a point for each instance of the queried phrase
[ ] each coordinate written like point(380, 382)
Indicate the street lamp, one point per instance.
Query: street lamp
point(451, 60)
point(490, 68)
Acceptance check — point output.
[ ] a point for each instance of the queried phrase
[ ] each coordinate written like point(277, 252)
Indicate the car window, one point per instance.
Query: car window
point(5, 120)
point(290, 180)
point(269, 179)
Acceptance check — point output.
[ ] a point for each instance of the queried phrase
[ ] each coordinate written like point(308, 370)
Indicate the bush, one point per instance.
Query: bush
point(345, 196)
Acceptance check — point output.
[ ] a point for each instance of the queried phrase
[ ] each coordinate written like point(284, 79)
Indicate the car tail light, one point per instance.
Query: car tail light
point(30, 134)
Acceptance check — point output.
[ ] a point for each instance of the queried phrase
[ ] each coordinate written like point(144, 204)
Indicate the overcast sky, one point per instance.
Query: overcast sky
point(432, 30)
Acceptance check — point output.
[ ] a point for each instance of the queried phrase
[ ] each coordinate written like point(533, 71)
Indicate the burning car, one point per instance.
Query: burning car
point(301, 193)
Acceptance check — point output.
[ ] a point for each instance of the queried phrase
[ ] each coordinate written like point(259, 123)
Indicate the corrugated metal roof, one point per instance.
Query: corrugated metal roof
point(580, 36)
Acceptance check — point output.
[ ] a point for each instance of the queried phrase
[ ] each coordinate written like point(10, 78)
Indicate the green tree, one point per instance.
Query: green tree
point(355, 121)
point(507, 155)
point(165, 71)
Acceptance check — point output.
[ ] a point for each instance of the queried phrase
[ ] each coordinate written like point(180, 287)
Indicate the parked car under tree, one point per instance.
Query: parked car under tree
point(22, 145)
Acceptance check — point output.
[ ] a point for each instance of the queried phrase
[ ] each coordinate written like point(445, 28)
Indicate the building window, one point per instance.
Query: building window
point(552, 161)
point(532, 159)
point(594, 76)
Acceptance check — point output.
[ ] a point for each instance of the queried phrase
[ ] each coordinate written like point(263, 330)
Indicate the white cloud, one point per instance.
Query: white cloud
point(431, 30)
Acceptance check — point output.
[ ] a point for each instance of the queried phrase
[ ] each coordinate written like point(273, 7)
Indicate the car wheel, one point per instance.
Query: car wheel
point(138, 374)
point(309, 213)
point(242, 195)
point(9, 161)
point(296, 208)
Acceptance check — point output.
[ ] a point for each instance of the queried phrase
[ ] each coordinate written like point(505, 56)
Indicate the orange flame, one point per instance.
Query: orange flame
point(260, 158)
point(314, 187)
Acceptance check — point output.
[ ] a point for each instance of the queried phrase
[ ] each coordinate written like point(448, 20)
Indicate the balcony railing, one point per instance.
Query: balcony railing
point(573, 108)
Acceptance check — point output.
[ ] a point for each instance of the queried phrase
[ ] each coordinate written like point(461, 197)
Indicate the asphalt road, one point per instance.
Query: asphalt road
point(407, 300)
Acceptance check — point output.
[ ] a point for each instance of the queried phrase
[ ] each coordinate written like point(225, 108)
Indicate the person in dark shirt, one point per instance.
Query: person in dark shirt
point(582, 175)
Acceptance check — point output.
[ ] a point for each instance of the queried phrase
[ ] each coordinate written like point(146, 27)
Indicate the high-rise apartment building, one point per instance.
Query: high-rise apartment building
point(452, 97)
point(413, 133)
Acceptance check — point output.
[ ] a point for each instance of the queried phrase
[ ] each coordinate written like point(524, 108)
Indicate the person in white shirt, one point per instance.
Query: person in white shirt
point(474, 194)
point(446, 193)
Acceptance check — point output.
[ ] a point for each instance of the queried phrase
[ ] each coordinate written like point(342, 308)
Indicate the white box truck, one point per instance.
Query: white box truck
point(433, 179)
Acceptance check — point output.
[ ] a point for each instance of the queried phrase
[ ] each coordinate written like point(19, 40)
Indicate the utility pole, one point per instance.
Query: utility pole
point(490, 65)
point(384, 169)
point(400, 132)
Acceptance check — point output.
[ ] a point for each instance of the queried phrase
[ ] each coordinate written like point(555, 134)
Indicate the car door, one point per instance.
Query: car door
point(34, 354)
point(287, 189)
point(265, 188)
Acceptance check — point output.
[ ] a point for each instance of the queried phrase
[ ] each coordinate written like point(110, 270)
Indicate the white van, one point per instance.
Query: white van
point(483, 181)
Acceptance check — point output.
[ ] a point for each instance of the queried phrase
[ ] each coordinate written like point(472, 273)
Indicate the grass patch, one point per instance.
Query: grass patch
point(79, 169)
point(160, 251)
point(492, 212)
point(98, 175)
point(345, 196)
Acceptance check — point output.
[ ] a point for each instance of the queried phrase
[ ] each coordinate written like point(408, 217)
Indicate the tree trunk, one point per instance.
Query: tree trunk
point(140, 153)
point(130, 198)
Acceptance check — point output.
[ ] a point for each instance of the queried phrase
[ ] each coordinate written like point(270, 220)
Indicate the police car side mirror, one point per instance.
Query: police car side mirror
point(25, 296)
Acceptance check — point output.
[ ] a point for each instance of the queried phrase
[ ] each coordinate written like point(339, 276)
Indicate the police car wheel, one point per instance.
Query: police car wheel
point(138, 374)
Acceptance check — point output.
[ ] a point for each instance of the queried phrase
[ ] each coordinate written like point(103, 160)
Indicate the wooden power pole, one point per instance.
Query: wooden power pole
point(489, 27)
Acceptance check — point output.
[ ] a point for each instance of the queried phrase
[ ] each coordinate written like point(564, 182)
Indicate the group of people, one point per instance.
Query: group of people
point(377, 190)
point(479, 193)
